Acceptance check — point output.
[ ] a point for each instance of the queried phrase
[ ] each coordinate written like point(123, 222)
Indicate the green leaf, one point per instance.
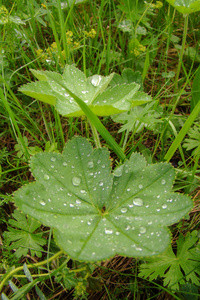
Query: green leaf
point(194, 140)
point(24, 238)
point(139, 117)
point(186, 6)
point(128, 76)
point(176, 269)
point(66, 278)
point(97, 214)
point(92, 90)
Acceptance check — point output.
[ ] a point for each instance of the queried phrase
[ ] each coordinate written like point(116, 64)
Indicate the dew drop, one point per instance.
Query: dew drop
point(95, 80)
point(108, 231)
point(138, 202)
point(118, 171)
point(76, 181)
point(164, 206)
point(127, 227)
point(42, 202)
point(82, 191)
point(53, 159)
point(140, 186)
point(46, 177)
point(128, 190)
point(163, 181)
point(117, 233)
point(78, 201)
point(71, 205)
point(123, 210)
point(90, 164)
point(101, 183)
point(65, 164)
point(158, 209)
point(142, 230)
point(138, 249)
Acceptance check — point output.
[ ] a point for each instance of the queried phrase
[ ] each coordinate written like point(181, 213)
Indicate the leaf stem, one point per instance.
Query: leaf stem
point(11, 273)
point(181, 54)
point(95, 135)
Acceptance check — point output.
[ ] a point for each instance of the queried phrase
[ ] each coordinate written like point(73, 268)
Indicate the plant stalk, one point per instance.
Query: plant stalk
point(181, 54)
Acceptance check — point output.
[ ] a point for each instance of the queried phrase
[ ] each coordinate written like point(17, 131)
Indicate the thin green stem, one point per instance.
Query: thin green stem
point(29, 266)
point(95, 135)
point(181, 54)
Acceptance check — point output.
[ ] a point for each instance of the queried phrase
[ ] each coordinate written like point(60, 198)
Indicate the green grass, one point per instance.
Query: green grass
point(95, 43)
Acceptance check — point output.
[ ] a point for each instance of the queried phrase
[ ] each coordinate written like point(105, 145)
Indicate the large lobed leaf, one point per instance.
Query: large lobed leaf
point(93, 91)
point(97, 214)
point(186, 6)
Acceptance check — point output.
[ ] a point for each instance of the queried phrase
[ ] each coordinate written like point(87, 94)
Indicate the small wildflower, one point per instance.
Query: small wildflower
point(42, 56)
point(138, 49)
point(43, 5)
point(92, 33)
point(3, 15)
point(159, 4)
point(54, 46)
point(76, 44)
point(49, 51)
point(141, 48)
point(136, 52)
point(69, 34)
point(63, 54)
point(39, 52)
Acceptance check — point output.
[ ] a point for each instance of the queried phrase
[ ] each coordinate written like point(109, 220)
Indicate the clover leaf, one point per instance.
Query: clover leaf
point(176, 269)
point(97, 213)
point(93, 91)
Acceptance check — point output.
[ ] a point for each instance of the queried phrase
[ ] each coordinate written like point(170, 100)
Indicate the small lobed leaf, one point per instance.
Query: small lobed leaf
point(23, 238)
point(127, 211)
point(176, 269)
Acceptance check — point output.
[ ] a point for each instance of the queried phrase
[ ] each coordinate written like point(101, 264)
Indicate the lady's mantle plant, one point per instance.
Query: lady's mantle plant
point(94, 91)
point(97, 213)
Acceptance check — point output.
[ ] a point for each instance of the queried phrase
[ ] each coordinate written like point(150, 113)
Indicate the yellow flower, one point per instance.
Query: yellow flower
point(159, 4)
point(39, 52)
point(43, 5)
point(92, 33)
point(63, 54)
point(69, 34)
point(54, 46)
point(136, 52)
point(76, 44)
point(42, 56)
point(141, 47)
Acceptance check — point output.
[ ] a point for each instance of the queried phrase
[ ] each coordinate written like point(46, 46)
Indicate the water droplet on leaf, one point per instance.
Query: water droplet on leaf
point(46, 177)
point(76, 181)
point(95, 80)
point(42, 202)
point(138, 202)
point(108, 231)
